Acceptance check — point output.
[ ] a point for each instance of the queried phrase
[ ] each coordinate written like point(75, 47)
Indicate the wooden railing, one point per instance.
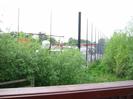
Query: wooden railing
point(12, 83)
point(110, 90)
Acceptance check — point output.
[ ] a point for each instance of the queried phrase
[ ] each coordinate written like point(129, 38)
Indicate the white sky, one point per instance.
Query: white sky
point(106, 15)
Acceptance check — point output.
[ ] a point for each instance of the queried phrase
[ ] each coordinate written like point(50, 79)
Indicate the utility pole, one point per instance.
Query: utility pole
point(79, 29)
point(87, 43)
point(18, 19)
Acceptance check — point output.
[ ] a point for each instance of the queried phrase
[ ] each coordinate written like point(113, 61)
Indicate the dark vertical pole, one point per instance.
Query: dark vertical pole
point(91, 41)
point(79, 29)
point(87, 43)
point(18, 20)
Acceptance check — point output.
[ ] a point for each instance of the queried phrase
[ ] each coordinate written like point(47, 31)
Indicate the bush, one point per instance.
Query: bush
point(20, 60)
point(118, 55)
point(68, 66)
point(97, 72)
point(15, 58)
point(58, 69)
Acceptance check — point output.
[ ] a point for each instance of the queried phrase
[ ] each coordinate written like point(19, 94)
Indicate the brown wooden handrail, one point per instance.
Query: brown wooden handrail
point(108, 90)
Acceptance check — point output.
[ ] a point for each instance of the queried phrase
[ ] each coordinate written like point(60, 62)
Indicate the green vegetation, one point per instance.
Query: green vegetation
point(74, 42)
point(15, 58)
point(97, 72)
point(118, 55)
point(20, 59)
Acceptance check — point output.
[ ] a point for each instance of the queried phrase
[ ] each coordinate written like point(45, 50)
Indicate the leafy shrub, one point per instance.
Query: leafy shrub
point(118, 55)
point(58, 69)
point(68, 66)
point(15, 58)
point(97, 72)
point(20, 60)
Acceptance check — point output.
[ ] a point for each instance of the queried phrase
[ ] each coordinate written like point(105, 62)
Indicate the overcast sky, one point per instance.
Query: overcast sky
point(105, 15)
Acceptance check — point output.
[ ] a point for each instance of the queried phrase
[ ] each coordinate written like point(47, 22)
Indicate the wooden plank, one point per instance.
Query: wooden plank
point(80, 91)
point(13, 82)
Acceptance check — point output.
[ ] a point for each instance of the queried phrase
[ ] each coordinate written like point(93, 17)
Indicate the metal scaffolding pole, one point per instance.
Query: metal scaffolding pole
point(87, 43)
point(50, 30)
point(18, 20)
point(98, 47)
point(95, 44)
point(91, 41)
point(79, 29)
